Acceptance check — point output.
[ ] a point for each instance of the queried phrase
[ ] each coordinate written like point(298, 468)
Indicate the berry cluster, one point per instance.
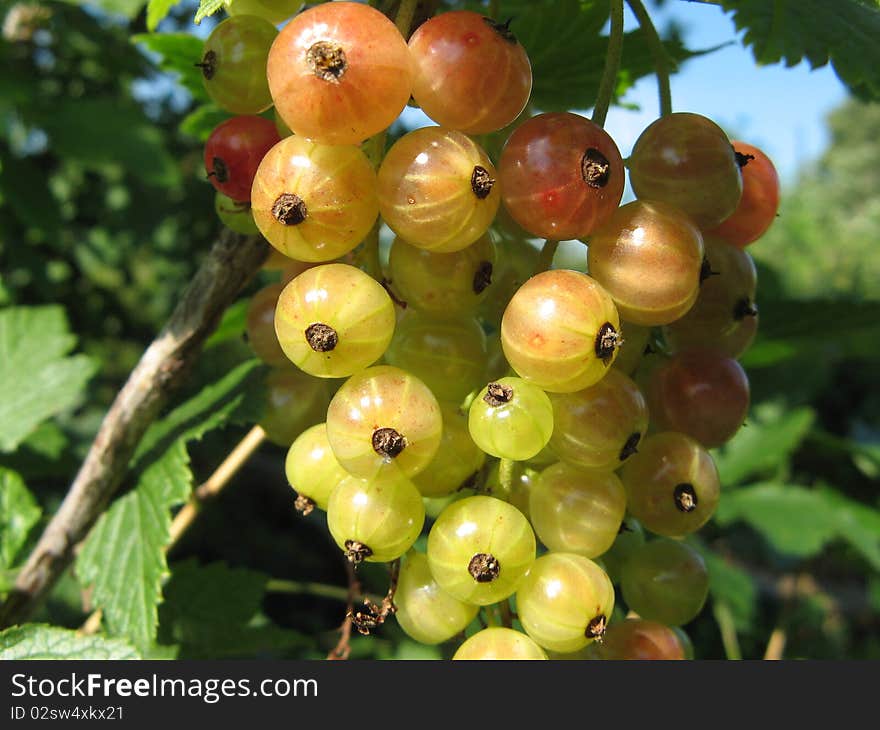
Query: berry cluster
point(505, 402)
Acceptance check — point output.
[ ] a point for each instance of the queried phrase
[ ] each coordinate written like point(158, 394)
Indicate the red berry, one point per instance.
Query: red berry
point(700, 393)
point(687, 161)
point(561, 176)
point(760, 198)
point(233, 153)
point(471, 74)
point(339, 73)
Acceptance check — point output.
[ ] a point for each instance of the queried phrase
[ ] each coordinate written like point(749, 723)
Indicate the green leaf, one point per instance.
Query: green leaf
point(124, 555)
point(235, 398)
point(209, 7)
point(157, 10)
point(214, 611)
point(857, 523)
point(44, 453)
point(123, 558)
point(232, 325)
point(37, 380)
point(126, 8)
point(765, 443)
point(177, 54)
point(567, 51)
point(800, 521)
point(200, 122)
point(26, 195)
point(843, 32)
point(874, 592)
point(38, 641)
point(731, 585)
point(48, 441)
point(213, 593)
point(107, 130)
point(819, 328)
point(865, 455)
point(19, 512)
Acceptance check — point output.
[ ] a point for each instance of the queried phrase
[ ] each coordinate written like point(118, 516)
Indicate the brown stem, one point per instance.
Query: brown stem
point(776, 645)
point(506, 614)
point(374, 614)
point(545, 260)
point(231, 263)
point(215, 483)
point(342, 650)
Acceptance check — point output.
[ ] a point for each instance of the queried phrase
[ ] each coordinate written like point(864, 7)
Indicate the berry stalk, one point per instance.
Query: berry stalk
point(612, 64)
point(661, 61)
point(545, 260)
point(405, 14)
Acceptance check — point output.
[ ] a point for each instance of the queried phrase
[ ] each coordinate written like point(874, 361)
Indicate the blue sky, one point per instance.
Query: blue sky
point(782, 110)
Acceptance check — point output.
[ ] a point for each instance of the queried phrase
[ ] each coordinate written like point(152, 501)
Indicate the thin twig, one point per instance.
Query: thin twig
point(215, 483)
point(92, 624)
point(506, 614)
point(545, 259)
point(724, 619)
point(368, 253)
point(375, 614)
point(612, 64)
point(658, 51)
point(776, 645)
point(342, 650)
point(506, 468)
point(231, 263)
point(405, 14)
point(318, 590)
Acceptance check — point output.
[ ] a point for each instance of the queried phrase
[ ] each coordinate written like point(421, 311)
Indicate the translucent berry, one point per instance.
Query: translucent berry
point(383, 419)
point(480, 548)
point(233, 153)
point(672, 485)
point(560, 331)
point(687, 161)
point(424, 610)
point(649, 257)
point(442, 284)
point(312, 469)
point(601, 426)
point(666, 581)
point(510, 418)
point(565, 602)
point(376, 519)
point(725, 315)
point(760, 199)
point(260, 326)
point(314, 202)
point(471, 73)
point(576, 511)
point(701, 393)
point(333, 320)
point(233, 63)
point(294, 401)
point(437, 189)
point(499, 643)
point(561, 176)
point(458, 458)
point(448, 355)
point(339, 72)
